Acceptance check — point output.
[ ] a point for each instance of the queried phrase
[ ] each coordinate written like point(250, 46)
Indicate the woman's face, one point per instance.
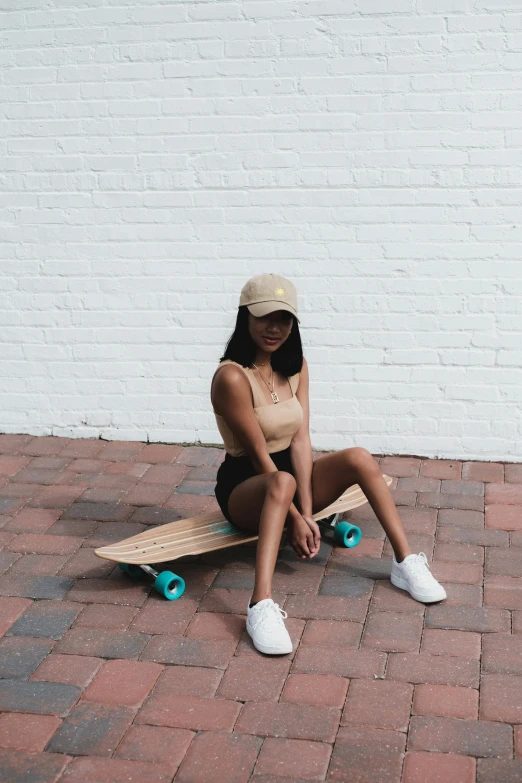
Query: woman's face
point(270, 331)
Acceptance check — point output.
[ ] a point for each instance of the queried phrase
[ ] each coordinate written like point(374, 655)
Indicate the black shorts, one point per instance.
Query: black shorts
point(235, 470)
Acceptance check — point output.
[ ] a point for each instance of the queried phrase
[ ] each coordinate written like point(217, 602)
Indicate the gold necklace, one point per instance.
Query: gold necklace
point(272, 391)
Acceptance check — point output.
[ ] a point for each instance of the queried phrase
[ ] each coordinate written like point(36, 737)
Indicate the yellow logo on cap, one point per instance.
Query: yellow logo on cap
point(280, 291)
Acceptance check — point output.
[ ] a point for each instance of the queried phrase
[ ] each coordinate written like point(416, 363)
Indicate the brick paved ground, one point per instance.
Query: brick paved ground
point(103, 680)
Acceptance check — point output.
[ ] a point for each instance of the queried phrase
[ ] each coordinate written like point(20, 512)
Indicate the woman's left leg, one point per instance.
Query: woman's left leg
point(334, 473)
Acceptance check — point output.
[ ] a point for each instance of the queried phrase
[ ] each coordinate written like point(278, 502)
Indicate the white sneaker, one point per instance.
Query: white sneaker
point(414, 575)
point(266, 627)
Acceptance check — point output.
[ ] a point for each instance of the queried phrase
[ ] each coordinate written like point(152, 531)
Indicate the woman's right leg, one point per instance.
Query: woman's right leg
point(261, 504)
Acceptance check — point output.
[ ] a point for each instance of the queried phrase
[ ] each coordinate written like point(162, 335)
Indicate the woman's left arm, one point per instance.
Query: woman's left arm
point(301, 447)
point(302, 462)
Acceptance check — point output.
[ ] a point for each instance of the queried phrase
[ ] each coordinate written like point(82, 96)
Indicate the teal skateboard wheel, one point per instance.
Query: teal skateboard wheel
point(131, 570)
point(346, 534)
point(170, 585)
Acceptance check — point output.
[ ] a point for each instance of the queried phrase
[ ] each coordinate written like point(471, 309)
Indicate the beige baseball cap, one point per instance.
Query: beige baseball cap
point(266, 293)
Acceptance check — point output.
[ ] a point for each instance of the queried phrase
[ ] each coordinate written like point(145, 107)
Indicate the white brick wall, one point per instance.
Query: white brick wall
point(153, 156)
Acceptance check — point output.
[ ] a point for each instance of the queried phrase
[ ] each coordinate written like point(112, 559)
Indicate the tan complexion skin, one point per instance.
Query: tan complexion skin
point(265, 502)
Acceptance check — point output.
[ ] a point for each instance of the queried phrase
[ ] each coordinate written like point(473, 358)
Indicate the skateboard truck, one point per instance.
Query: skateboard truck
point(166, 583)
point(345, 534)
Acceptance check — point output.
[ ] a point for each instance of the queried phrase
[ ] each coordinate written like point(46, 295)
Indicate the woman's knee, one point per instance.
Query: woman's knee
point(360, 460)
point(281, 485)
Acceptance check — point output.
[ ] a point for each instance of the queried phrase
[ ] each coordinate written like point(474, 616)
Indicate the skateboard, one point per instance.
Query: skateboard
point(209, 532)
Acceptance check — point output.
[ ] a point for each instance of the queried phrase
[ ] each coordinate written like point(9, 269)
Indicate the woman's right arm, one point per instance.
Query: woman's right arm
point(232, 399)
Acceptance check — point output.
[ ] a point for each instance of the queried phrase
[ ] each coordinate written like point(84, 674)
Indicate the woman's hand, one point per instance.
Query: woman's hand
point(314, 527)
point(304, 536)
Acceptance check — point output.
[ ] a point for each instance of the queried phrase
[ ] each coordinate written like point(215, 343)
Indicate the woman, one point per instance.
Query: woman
point(260, 398)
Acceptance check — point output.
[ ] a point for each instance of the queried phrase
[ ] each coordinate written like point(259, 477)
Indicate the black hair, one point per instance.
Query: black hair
point(287, 360)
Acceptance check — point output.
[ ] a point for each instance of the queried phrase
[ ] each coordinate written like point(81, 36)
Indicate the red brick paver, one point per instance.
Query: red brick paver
point(27, 732)
point(190, 712)
point(220, 757)
point(376, 703)
point(367, 754)
point(123, 682)
point(157, 744)
point(254, 678)
point(70, 669)
point(469, 737)
point(294, 759)
point(422, 767)
point(446, 701)
point(115, 770)
point(105, 680)
point(323, 690)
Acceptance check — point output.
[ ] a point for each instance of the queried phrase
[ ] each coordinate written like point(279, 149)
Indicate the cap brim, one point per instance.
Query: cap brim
point(260, 309)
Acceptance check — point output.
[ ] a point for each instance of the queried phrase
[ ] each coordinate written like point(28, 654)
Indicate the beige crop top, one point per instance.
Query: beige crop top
point(278, 421)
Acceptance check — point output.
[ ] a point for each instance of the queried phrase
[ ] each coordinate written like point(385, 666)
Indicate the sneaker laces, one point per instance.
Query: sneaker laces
point(419, 567)
point(273, 614)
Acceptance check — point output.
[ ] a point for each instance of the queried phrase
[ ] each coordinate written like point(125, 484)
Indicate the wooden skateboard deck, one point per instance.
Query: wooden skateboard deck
point(205, 533)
